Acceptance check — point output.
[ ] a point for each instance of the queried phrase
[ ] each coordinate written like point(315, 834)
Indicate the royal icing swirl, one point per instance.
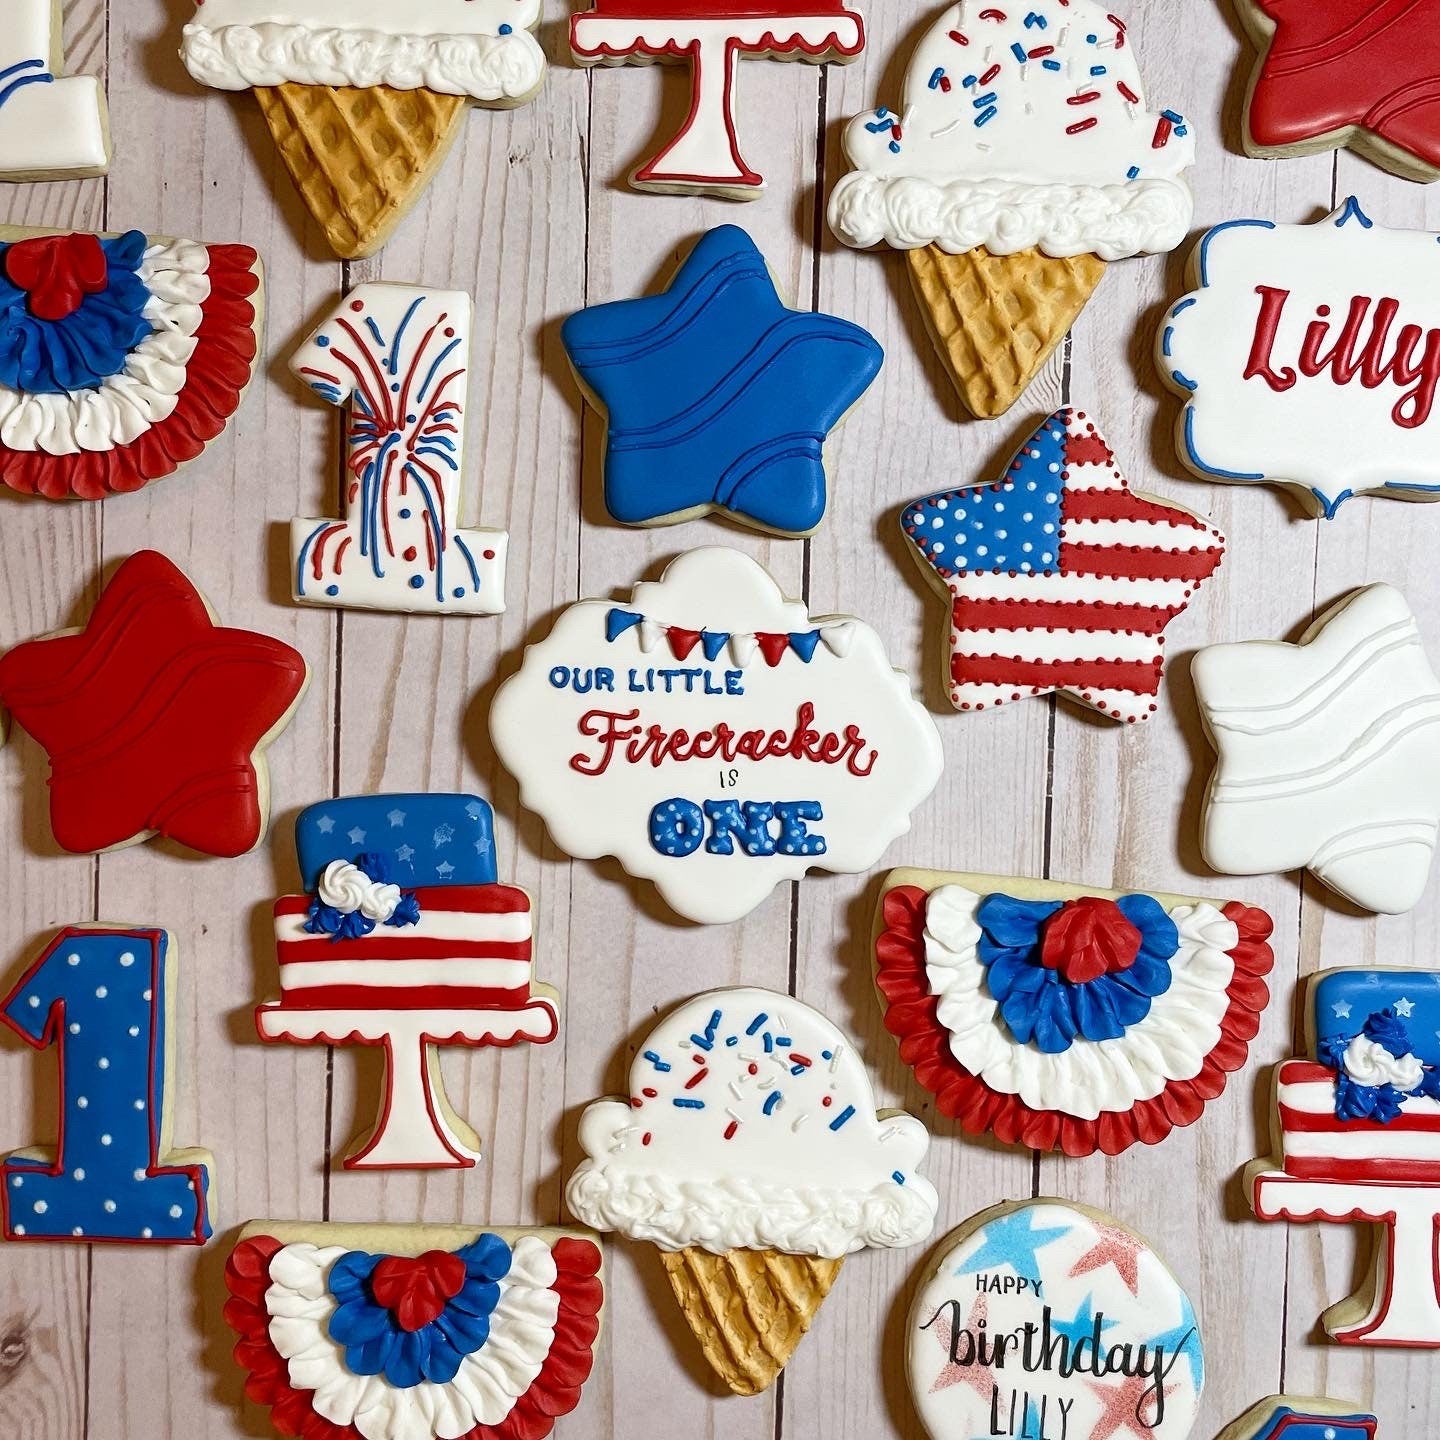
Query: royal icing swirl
point(125, 405)
point(488, 68)
point(347, 888)
point(1089, 1078)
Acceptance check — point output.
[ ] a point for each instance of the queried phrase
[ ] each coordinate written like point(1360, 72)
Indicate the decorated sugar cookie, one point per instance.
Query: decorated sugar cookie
point(365, 97)
point(427, 1332)
point(156, 717)
point(1062, 1017)
point(1022, 158)
point(404, 940)
point(53, 126)
point(750, 1152)
point(121, 356)
point(1346, 73)
point(1047, 1319)
point(102, 996)
point(397, 357)
point(715, 737)
point(1326, 753)
point(1059, 576)
point(704, 158)
point(1293, 1417)
point(1357, 1138)
point(1308, 357)
point(717, 397)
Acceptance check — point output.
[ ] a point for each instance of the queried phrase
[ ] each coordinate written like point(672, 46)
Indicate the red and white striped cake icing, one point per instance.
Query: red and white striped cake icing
point(1316, 1144)
point(471, 948)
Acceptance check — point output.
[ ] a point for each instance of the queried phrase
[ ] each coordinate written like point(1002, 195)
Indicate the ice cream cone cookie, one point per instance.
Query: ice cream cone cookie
point(750, 1152)
point(1295, 1417)
point(364, 97)
point(1021, 160)
point(121, 356)
point(1346, 73)
point(1050, 1320)
point(52, 126)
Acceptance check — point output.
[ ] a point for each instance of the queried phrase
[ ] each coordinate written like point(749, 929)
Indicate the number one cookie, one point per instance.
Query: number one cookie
point(51, 127)
point(397, 357)
point(99, 994)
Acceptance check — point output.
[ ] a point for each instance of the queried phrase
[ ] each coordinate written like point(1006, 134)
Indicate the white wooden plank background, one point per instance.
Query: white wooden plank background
point(531, 215)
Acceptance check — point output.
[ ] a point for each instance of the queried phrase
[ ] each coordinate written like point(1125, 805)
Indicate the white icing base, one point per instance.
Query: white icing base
point(493, 69)
point(1111, 221)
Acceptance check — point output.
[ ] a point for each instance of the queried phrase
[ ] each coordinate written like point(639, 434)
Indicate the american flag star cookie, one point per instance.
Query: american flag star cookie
point(1059, 576)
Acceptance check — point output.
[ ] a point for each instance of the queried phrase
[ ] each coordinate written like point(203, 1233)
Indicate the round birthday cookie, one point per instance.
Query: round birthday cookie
point(1044, 1318)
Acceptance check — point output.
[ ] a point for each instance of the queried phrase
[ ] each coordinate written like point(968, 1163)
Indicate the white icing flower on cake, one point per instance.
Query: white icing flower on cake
point(1368, 1062)
point(347, 888)
point(751, 1124)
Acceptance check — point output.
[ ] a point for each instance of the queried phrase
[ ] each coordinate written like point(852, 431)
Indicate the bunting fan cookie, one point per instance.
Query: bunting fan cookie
point(414, 1332)
point(1061, 1017)
point(1059, 577)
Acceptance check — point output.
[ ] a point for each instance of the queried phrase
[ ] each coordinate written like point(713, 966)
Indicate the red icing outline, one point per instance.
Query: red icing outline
point(911, 1016)
point(217, 374)
point(554, 1392)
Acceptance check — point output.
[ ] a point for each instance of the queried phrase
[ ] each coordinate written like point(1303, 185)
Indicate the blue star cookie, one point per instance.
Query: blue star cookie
point(717, 396)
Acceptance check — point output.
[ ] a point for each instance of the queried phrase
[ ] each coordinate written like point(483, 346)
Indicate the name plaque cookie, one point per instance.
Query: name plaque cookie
point(715, 737)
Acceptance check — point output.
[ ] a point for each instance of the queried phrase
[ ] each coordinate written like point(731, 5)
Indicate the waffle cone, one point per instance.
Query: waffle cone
point(749, 1308)
point(360, 157)
point(995, 319)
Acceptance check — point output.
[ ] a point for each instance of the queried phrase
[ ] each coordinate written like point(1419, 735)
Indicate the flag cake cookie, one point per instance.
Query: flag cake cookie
point(403, 939)
point(749, 1151)
point(1293, 1417)
point(1043, 1320)
point(716, 397)
point(1059, 577)
point(121, 356)
point(414, 1332)
point(1064, 1017)
point(365, 97)
point(1022, 159)
point(711, 37)
point(715, 737)
point(1357, 1138)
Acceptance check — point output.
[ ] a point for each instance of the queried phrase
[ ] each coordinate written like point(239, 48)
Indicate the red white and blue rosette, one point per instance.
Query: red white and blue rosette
point(121, 357)
point(1074, 1022)
point(490, 1339)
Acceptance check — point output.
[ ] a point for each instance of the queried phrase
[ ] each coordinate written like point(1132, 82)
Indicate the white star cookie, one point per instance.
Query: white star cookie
point(1327, 754)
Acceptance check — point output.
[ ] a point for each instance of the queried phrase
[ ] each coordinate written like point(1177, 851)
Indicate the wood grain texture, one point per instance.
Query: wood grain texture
point(531, 214)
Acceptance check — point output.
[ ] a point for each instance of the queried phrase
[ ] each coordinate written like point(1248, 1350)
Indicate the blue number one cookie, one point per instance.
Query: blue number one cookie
point(98, 995)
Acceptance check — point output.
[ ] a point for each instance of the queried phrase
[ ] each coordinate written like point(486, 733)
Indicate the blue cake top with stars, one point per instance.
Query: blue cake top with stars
point(1343, 1000)
point(429, 839)
point(1287, 1423)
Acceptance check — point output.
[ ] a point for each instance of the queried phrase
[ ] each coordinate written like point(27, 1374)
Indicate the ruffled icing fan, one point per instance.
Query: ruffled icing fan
point(121, 357)
point(455, 1335)
point(1064, 1019)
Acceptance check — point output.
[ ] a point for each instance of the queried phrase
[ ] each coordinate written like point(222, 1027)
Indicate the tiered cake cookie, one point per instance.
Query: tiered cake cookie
point(1294, 1417)
point(1357, 1137)
point(404, 940)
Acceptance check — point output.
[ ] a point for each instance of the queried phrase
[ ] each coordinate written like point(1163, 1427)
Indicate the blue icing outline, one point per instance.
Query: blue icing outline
point(716, 395)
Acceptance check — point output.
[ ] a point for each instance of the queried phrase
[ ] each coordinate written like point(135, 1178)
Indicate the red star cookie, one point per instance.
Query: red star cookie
point(155, 717)
point(1362, 73)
